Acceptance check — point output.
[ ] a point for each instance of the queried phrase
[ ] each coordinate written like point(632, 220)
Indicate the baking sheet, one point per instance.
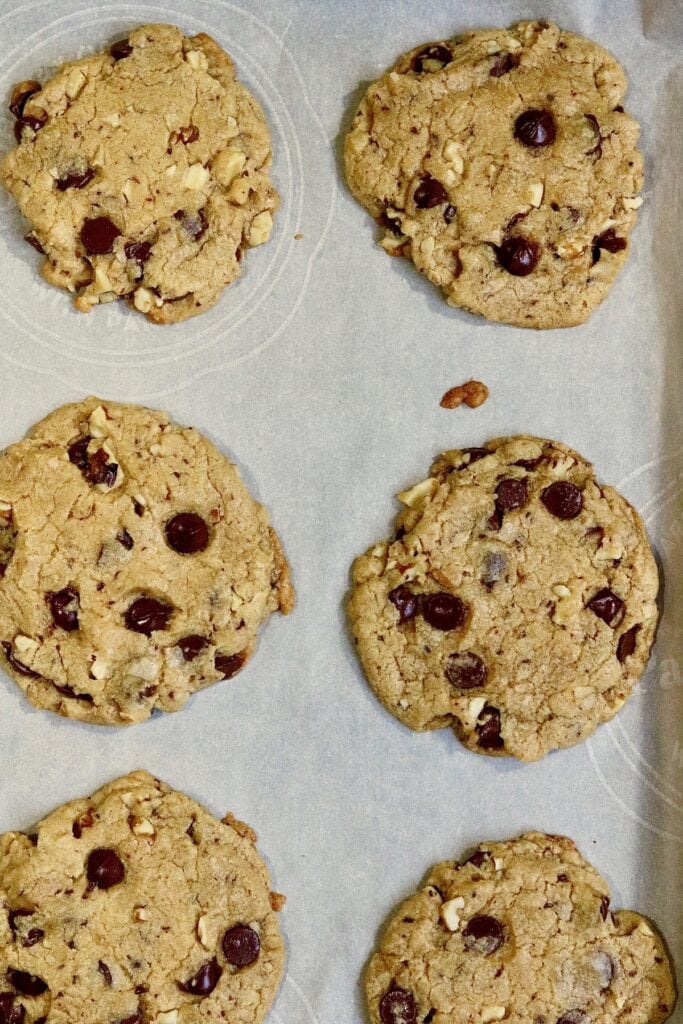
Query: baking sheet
point(320, 372)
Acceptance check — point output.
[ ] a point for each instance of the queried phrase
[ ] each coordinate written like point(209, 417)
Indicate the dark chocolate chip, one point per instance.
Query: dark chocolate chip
point(121, 49)
point(33, 121)
point(529, 464)
point(136, 1018)
point(627, 644)
point(17, 665)
point(105, 972)
point(187, 533)
point(429, 193)
point(511, 494)
point(432, 58)
point(125, 539)
point(85, 821)
point(11, 1012)
point(32, 935)
point(563, 500)
point(518, 255)
point(478, 858)
point(535, 128)
point(138, 252)
point(444, 611)
point(609, 241)
point(475, 454)
point(405, 602)
point(68, 691)
point(147, 615)
point(192, 646)
point(204, 981)
point(241, 945)
point(483, 934)
point(98, 235)
point(104, 869)
point(604, 907)
point(398, 1007)
point(391, 223)
point(26, 984)
point(488, 730)
point(503, 64)
point(21, 94)
point(595, 150)
point(230, 664)
point(75, 179)
point(465, 670)
point(34, 243)
point(64, 608)
point(607, 606)
point(449, 213)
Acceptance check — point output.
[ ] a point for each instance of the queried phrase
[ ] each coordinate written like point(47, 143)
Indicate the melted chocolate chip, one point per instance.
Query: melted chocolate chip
point(604, 907)
point(21, 95)
point(503, 64)
point(135, 1019)
point(241, 945)
point(194, 223)
point(230, 664)
point(204, 981)
point(17, 665)
point(563, 500)
point(465, 670)
point(511, 494)
point(535, 128)
point(104, 869)
point(391, 223)
point(478, 858)
point(595, 150)
point(26, 984)
point(64, 608)
point(529, 464)
point(449, 213)
point(572, 1017)
point(518, 255)
point(474, 455)
point(105, 972)
point(75, 179)
point(147, 615)
point(187, 533)
point(192, 646)
point(627, 644)
point(607, 606)
point(432, 58)
point(125, 539)
point(609, 241)
point(68, 691)
point(34, 243)
point(138, 252)
point(32, 936)
point(429, 193)
point(33, 121)
point(488, 730)
point(405, 602)
point(11, 1012)
point(121, 49)
point(98, 235)
point(398, 1007)
point(444, 611)
point(483, 934)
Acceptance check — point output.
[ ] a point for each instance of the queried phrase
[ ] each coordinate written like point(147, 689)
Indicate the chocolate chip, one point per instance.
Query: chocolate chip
point(26, 984)
point(432, 58)
point(596, 150)
point(449, 213)
point(192, 646)
point(147, 615)
point(125, 539)
point(627, 644)
point(121, 49)
point(104, 869)
point(32, 936)
point(34, 243)
point(17, 665)
point(241, 945)
point(405, 602)
point(75, 179)
point(444, 611)
point(12, 918)
point(230, 664)
point(33, 121)
point(604, 907)
point(484, 935)
point(488, 730)
point(391, 223)
point(563, 500)
point(11, 1013)
point(607, 606)
point(105, 972)
point(64, 608)
point(138, 252)
point(535, 128)
point(529, 464)
point(398, 1007)
point(136, 1018)
point(518, 255)
point(572, 1017)
point(505, 62)
point(98, 235)
point(21, 93)
point(85, 821)
point(609, 241)
point(187, 533)
point(511, 494)
point(465, 670)
point(204, 981)
point(194, 223)
point(478, 858)
point(475, 454)
point(68, 691)
point(429, 193)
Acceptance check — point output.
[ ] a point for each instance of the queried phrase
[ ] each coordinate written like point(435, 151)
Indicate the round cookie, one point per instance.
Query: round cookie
point(136, 906)
point(144, 172)
point(503, 165)
point(516, 602)
point(135, 568)
point(521, 932)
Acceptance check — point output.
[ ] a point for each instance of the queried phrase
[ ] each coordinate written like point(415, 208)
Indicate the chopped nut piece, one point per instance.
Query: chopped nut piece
point(473, 393)
point(203, 931)
point(102, 283)
point(261, 227)
point(99, 669)
point(167, 1017)
point(197, 60)
point(240, 827)
point(416, 496)
point(498, 863)
point(451, 152)
point(535, 193)
point(632, 202)
point(449, 913)
point(74, 83)
point(475, 708)
point(561, 591)
point(239, 191)
point(141, 826)
point(140, 914)
point(25, 645)
point(196, 177)
point(490, 1013)
point(144, 300)
point(227, 165)
point(97, 422)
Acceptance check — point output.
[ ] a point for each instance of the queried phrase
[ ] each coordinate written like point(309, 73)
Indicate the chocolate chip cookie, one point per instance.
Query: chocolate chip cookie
point(144, 172)
point(522, 931)
point(133, 906)
point(515, 603)
point(135, 567)
point(503, 165)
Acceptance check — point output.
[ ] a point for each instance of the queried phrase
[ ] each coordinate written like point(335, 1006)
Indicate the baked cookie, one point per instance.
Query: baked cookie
point(135, 567)
point(144, 172)
point(503, 165)
point(521, 932)
point(516, 602)
point(136, 906)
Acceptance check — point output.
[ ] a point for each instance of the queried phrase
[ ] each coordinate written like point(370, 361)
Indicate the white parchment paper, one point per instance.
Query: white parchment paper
point(320, 372)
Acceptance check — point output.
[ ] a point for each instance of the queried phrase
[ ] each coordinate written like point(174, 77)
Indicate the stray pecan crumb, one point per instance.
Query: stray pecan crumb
point(240, 827)
point(473, 393)
point(277, 901)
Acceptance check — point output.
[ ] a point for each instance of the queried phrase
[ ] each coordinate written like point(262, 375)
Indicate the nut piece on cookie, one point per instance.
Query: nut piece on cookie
point(537, 944)
point(515, 601)
point(144, 172)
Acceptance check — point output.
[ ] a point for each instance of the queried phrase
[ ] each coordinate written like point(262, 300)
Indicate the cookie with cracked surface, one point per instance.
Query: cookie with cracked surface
point(144, 172)
point(521, 931)
point(516, 602)
point(136, 905)
point(503, 165)
point(135, 567)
